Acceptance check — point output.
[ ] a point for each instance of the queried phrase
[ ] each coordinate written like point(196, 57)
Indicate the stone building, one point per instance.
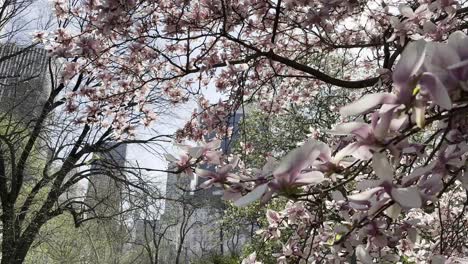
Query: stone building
point(24, 88)
point(104, 194)
point(105, 199)
point(24, 81)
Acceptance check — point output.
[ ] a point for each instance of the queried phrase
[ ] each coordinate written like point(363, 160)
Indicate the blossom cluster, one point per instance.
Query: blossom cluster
point(402, 144)
point(382, 183)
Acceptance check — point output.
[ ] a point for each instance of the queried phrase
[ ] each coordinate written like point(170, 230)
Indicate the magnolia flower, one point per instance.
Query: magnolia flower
point(420, 76)
point(294, 170)
point(207, 151)
point(39, 36)
point(383, 189)
point(370, 137)
point(429, 177)
point(219, 177)
point(420, 13)
point(362, 254)
point(183, 163)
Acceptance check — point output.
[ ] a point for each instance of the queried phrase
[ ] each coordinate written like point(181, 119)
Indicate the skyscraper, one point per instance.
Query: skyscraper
point(104, 194)
point(24, 81)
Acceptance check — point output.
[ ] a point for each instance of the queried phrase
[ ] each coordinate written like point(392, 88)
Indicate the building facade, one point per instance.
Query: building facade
point(104, 194)
point(24, 81)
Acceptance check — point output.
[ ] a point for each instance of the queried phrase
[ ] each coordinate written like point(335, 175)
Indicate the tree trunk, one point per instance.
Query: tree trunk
point(8, 234)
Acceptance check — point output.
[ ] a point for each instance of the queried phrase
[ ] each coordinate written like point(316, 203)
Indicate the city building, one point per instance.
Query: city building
point(24, 81)
point(104, 194)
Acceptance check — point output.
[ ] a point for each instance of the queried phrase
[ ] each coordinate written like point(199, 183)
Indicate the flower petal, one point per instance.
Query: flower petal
point(406, 11)
point(252, 196)
point(436, 90)
point(346, 151)
point(407, 197)
point(363, 255)
point(410, 62)
point(382, 167)
point(204, 173)
point(313, 177)
point(459, 41)
point(298, 159)
point(367, 103)
point(364, 197)
point(361, 129)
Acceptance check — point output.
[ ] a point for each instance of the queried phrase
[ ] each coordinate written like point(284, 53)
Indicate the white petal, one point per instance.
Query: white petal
point(170, 157)
point(203, 173)
point(364, 196)
point(406, 11)
point(195, 152)
point(417, 173)
point(429, 27)
point(407, 197)
point(252, 196)
point(206, 184)
point(362, 255)
point(313, 177)
point(367, 103)
point(382, 167)
point(299, 158)
point(347, 128)
point(215, 144)
point(346, 151)
point(393, 211)
point(410, 62)
point(436, 89)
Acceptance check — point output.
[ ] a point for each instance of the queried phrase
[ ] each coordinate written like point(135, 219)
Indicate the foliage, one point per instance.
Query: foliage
point(218, 259)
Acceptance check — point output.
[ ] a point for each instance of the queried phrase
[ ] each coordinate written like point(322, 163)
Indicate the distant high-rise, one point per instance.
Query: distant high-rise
point(104, 193)
point(24, 82)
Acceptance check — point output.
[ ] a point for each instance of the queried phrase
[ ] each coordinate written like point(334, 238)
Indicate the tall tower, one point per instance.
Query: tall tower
point(105, 198)
point(24, 88)
point(24, 82)
point(104, 193)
